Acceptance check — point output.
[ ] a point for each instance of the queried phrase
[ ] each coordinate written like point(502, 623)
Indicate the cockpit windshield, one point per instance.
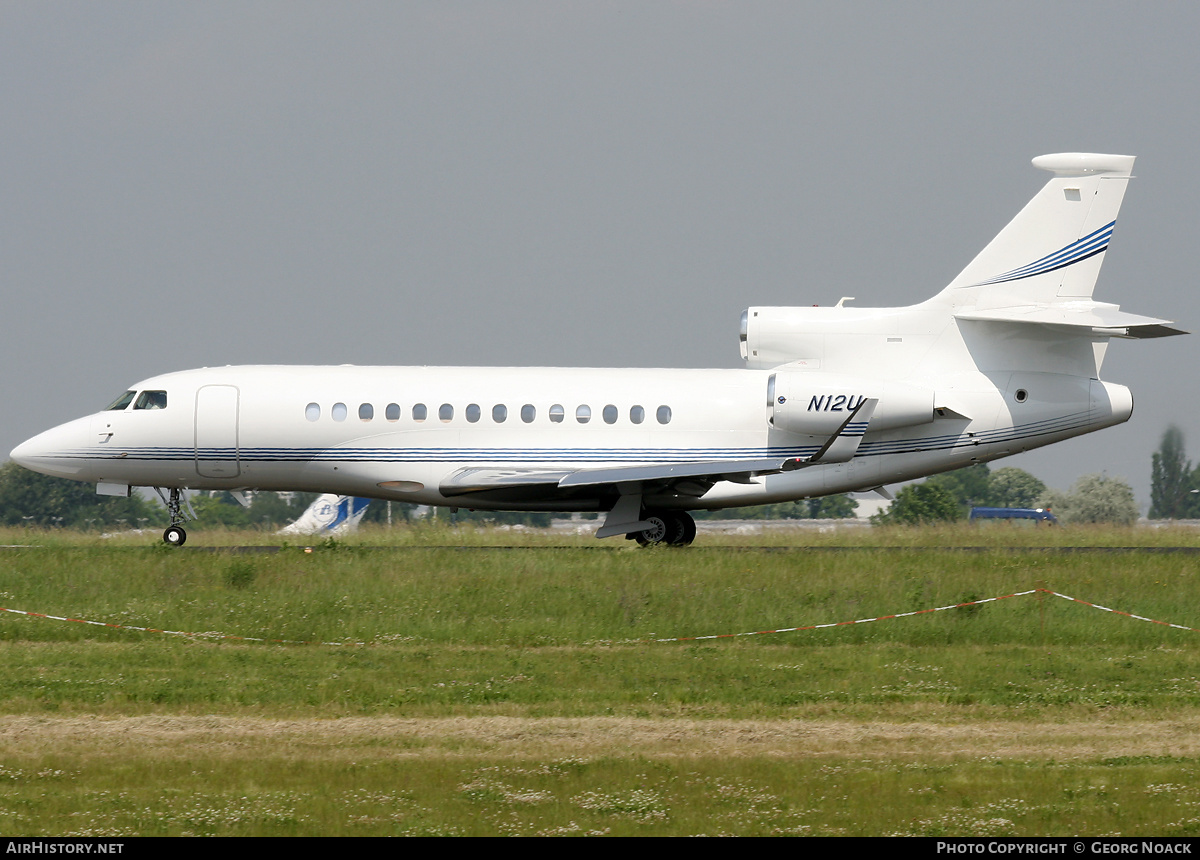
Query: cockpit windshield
point(151, 400)
point(121, 402)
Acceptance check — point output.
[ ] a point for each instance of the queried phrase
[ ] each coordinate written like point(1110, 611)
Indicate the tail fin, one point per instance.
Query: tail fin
point(1052, 251)
point(329, 514)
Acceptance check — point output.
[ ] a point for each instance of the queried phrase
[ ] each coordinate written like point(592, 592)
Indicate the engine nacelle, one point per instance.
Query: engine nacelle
point(838, 336)
point(774, 336)
point(812, 403)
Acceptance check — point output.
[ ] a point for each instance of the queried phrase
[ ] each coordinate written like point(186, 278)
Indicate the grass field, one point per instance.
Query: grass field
point(508, 684)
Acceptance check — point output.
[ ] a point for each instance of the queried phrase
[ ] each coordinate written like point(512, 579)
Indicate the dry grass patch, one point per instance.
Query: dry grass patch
point(215, 737)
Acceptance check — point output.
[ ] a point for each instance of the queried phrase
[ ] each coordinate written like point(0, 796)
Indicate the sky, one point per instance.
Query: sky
point(562, 183)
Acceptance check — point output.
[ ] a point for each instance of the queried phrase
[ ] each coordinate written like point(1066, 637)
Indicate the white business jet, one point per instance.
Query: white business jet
point(833, 399)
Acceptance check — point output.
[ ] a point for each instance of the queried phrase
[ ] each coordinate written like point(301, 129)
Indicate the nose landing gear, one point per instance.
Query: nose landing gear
point(175, 501)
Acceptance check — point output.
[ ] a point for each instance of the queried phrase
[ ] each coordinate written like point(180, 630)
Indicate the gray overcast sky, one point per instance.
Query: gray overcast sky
point(561, 183)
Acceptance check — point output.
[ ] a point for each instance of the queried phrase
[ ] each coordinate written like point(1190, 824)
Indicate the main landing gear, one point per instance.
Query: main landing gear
point(672, 528)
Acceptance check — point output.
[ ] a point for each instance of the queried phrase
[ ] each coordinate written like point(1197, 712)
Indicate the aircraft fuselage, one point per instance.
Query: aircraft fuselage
point(400, 432)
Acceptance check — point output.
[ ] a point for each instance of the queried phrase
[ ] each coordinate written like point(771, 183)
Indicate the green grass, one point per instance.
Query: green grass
point(512, 688)
point(619, 796)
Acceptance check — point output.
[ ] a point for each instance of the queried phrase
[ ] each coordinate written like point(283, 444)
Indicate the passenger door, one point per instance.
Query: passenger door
point(217, 431)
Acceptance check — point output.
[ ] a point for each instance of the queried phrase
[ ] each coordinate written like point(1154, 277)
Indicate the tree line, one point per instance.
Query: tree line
point(32, 499)
point(951, 495)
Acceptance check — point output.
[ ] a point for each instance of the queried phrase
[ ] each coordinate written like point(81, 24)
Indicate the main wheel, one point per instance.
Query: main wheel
point(674, 528)
point(656, 534)
point(684, 530)
point(174, 536)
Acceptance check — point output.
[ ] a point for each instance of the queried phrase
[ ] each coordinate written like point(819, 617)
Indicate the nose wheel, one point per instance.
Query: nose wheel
point(175, 535)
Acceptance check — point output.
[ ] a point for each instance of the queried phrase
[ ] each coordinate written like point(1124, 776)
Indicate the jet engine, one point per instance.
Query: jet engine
point(813, 403)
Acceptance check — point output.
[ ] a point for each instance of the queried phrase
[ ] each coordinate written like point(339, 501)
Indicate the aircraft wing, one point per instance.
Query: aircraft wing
point(715, 470)
point(693, 478)
point(482, 480)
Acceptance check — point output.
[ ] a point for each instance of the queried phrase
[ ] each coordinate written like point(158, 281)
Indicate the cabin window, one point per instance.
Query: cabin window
point(338, 412)
point(446, 413)
point(473, 412)
point(664, 415)
point(583, 414)
point(499, 413)
point(528, 413)
point(610, 414)
point(637, 414)
point(312, 411)
point(121, 402)
point(366, 412)
point(151, 400)
point(557, 413)
point(420, 412)
point(392, 413)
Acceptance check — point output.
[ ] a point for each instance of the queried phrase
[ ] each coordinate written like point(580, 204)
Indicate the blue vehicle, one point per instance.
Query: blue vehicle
point(1038, 515)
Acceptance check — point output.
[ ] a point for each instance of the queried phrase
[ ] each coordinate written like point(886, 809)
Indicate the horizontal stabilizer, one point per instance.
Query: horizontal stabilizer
point(1097, 317)
point(1142, 332)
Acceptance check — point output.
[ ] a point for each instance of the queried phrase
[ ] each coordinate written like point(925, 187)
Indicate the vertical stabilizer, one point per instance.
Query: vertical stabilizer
point(329, 514)
point(1052, 251)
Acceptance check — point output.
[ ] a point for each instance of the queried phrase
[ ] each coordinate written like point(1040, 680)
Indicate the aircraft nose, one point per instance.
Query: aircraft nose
point(24, 453)
point(51, 452)
point(30, 452)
